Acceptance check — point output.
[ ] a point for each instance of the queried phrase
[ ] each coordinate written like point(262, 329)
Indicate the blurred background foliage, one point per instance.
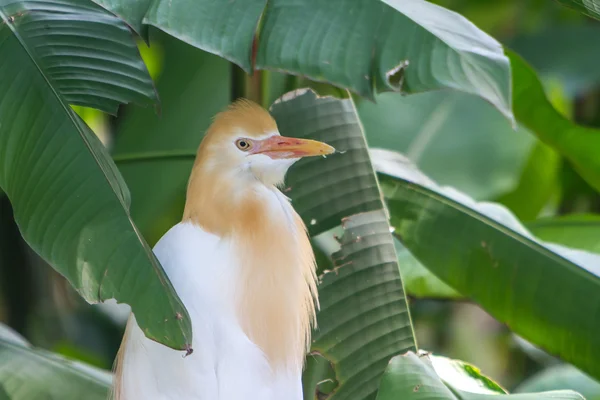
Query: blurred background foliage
point(455, 138)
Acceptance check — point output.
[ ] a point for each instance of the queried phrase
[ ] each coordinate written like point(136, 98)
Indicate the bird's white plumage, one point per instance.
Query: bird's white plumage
point(225, 364)
point(242, 264)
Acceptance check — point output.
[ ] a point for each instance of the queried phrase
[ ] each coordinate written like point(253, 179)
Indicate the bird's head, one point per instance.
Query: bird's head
point(244, 141)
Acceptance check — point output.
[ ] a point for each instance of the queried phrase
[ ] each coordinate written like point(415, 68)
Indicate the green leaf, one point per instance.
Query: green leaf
point(326, 191)
point(69, 200)
point(412, 376)
point(28, 373)
point(359, 333)
point(537, 184)
point(364, 319)
point(87, 55)
point(418, 280)
point(131, 12)
point(579, 231)
point(408, 377)
point(368, 29)
point(590, 8)
point(562, 377)
point(577, 143)
point(440, 49)
point(481, 249)
point(436, 129)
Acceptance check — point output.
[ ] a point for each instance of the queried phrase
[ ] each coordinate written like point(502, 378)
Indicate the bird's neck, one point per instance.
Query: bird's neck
point(276, 282)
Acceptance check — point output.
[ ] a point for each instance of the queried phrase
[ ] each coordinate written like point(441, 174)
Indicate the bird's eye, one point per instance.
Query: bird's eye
point(243, 144)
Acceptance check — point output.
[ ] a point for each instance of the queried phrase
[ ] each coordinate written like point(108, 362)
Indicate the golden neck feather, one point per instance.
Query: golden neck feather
point(276, 290)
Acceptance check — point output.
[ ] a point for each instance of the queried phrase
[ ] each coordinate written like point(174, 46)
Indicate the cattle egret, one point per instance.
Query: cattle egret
point(241, 262)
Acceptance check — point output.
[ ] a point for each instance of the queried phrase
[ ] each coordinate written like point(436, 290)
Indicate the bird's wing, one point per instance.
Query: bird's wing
point(225, 364)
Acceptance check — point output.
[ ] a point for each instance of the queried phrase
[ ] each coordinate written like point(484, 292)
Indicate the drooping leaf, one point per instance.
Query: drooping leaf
point(414, 377)
point(88, 55)
point(561, 377)
point(537, 185)
point(436, 129)
point(369, 30)
point(588, 7)
point(481, 249)
point(364, 318)
point(28, 373)
point(350, 43)
point(578, 144)
point(69, 200)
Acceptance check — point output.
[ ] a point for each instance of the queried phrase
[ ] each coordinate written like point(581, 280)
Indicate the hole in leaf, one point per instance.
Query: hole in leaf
point(395, 76)
point(319, 376)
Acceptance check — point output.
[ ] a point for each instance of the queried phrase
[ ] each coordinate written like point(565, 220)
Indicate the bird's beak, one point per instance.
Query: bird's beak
point(278, 147)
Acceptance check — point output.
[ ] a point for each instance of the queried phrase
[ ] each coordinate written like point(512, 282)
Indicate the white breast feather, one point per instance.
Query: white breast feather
point(225, 364)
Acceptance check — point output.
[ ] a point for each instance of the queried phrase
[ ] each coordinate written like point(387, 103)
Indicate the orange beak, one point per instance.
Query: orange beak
point(278, 147)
